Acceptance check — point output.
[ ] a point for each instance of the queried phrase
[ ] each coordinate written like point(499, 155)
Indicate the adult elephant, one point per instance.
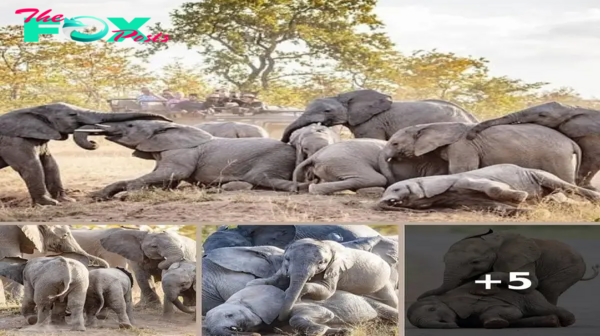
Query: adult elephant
point(24, 136)
point(578, 123)
point(233, 129)
point(149, 254)
point(281, 235)
point(372, 114)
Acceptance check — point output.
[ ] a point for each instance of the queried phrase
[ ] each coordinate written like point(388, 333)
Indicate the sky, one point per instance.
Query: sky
point(554, 41)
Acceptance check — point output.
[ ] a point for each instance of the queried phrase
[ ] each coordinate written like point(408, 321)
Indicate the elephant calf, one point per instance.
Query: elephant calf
point(110, 288)
point(179, 280)
point(233, 129)
point(309, 139)
point(507, 308)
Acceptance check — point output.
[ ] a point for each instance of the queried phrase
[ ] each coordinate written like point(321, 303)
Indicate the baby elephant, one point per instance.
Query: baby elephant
point(462, 308)
point(179, 280)
point(110, 288)
point(309, 139)
point(253, 308)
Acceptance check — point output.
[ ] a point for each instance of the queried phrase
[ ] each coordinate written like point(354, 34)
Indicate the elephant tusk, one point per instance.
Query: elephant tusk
point(388, 160)
point(102, 126)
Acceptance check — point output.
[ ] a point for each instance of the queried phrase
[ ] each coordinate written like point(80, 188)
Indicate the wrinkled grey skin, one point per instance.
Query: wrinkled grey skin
point(254, 308)
point(371, 114)
point(316, 269)
point(578, 123)
point(110, 288)
point(50, 281)
point(24, 136)
point(281, 235)
point(233, 129)
point(185, 153)
point(471, 305)
point(500, 188)
point(347, 165)
point(385, 247)
point(309, 139)
point(149, 254)
point(178, 280)
point(552, 265)
point(527, 146)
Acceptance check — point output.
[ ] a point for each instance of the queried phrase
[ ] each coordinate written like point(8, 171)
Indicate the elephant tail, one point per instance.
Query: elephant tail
point(298, 173)
point(67, 277)
point(596, 272)
point(577, 152)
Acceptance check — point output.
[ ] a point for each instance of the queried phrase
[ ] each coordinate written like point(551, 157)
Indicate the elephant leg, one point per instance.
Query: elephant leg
point(553, 183)
point(129, 308)
point(590, 162)
point(103, 314)
point(59, 313)
point(148, 296)
point(386, 295)
point(550, 321)
point(91, 308)
point(462, 157)
point(367, 180)
point(119, 306)
point(28, 305)
point(498, 317)
point(311, 319)
point(75, 303)
point(384, 312)
point(53, 180)
point(316, 291)
point(168, 307)
point(495, 190)
point(43, 312)
point(160, 177)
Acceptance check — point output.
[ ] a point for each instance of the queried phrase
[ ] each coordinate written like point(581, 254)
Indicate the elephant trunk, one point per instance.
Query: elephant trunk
point(80, 136)
point(172, 255)
point(172, 295)
point(72, 246)
point(385, 168)
point(302, 121)
point(508, 119)
point(297, 282)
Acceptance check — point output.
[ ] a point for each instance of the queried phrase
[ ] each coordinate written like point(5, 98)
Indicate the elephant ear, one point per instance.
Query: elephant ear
point(363, 243)
point(30, 123)
point(433, 136)
point(254, 260)
point(363, 105)
point(580, 125)
point(274, 235)
point(434, 187)
point(126, 243)
point(515, 252)
point(169, 137)
point(12, 270)
point(338, 263)
point(265, 301)
point(33, 238)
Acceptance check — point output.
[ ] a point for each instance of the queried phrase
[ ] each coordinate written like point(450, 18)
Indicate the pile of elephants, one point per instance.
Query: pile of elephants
point(313, 279)
point(427, 155)
point(65, 276)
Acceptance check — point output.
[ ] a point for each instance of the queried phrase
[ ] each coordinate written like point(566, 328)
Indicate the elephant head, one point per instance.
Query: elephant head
point(225, 237)
point(349, 109)
point(310, 139)
point(572, 121)
point(56, 121)
point(146, 136)
point(482, 253)
point(12, 268)
point(141, 246)
point(431, 313)
point(260, 261)
point(180, 277)
point(419, 193)
point(245, 311)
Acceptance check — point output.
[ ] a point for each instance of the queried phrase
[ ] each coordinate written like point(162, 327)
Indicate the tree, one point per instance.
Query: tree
point(178, 77)
point(253, 43)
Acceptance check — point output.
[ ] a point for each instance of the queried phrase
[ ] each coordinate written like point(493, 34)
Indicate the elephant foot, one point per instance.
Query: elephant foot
point(125, 326)
point(31, 320)
point(496, 323)
point(65, 199)
point(78, 328)
point(45, 200)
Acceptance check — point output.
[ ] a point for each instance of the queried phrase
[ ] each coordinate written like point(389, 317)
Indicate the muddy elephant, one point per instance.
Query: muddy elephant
point(233, 129)
point(578, 123)
point(460, 308)
point(553, 266)
point(372, 114)
point(178, 280)
point(309, 139)
point(501, 188)
point(24, 137)
point(185, 153)
point(528, 146)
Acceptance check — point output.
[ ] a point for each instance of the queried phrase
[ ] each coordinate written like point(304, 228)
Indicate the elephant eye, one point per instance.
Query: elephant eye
point(235, 329)
point(327, 110)
point(431, 309)
point(129, 125)
point(475, 262)
point(229, 316)
point(394, 144)
point(154, 246)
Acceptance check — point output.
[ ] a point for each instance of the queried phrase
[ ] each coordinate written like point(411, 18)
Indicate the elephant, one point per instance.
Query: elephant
point(281, 235)
point(372, 114)
point(49, 281)
point(24, 137)
point(149, 254)
point(316, 269)
point(346, 165)
point(552, 266)
point(528, 146)
point(309, 139)
point(178, 280)
point(110, 288)
point(187, 153)
point(233, 129)
point(460, 308)
point(578, 123)
point(499, 188)
point(255, 309)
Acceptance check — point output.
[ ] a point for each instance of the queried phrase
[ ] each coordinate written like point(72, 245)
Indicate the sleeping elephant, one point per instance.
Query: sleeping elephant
point(233, 129)
point(553, 266)
point(578, 123)
point(372, 114)
point(149, 254)
point(281, 235)
point(309, 139)
point(24, 137)
point(527, 146)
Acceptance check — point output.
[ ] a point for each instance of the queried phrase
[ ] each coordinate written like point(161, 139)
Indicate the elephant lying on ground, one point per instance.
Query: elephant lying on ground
point(500, 188)
point(281, 235)
point(178, 280)
point(372, 114)
point(24, 137)
point(255, 308)
point(459, 307)
point(185, 153)
point(578, 123)
point(233, 129)
point(527, 146)
point(110, 288)
point(309, 139)
point(553, 266)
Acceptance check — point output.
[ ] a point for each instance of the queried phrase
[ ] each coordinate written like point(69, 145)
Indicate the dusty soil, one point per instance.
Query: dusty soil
point(86, 171)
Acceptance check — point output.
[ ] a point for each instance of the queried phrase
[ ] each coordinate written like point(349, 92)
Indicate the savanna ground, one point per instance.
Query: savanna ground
point(367, 329)
point(86, 171)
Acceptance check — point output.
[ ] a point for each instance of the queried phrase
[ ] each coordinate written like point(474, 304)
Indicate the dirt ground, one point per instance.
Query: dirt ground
point(86, 171)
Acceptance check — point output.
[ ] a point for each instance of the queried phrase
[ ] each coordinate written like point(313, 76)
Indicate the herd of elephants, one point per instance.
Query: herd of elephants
point(427, 155)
